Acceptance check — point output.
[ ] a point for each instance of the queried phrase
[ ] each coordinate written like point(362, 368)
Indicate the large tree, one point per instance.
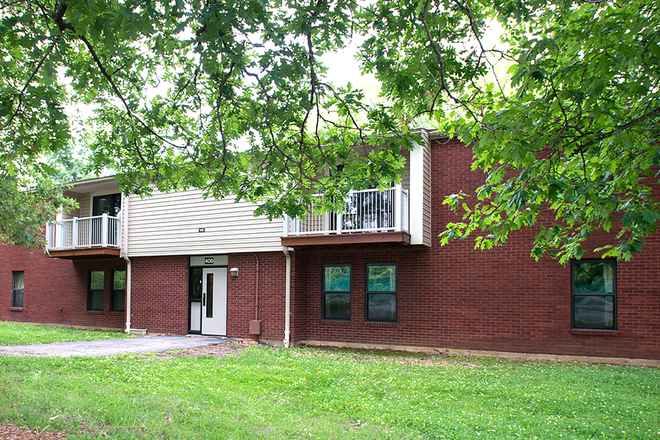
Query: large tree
point(231, 97)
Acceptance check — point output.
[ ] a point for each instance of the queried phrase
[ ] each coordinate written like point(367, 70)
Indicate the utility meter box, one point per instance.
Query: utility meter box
point(255, 327)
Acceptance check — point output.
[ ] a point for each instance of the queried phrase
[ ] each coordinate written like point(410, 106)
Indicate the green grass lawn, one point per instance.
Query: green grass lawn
point(267, 392)
point(21, 334)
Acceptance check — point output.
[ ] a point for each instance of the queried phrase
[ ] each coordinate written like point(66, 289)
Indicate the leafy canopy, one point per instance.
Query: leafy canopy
point(231, 97)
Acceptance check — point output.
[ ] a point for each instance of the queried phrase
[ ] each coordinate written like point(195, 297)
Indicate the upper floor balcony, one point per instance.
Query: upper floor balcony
point(84, 237)
point(369, 216)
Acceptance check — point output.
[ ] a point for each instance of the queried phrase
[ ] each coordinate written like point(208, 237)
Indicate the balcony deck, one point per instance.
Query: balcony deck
point(370, 217)
point(393, 237)
point(80, 238)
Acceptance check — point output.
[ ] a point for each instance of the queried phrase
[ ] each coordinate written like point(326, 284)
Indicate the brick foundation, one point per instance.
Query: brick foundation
point(499, 300)
point(450, 297)
point(56, 290)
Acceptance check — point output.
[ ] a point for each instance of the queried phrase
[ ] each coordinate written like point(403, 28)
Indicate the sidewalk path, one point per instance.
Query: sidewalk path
point(145, 344)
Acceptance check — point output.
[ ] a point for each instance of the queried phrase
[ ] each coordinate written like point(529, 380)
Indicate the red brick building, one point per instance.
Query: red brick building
point(372, 276)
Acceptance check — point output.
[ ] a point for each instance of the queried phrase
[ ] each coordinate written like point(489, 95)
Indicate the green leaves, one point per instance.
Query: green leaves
point(574, 143)
point(232, 98)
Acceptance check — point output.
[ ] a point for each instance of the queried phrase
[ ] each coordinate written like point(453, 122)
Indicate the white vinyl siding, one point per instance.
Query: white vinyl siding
point(427, 189)
point(169, 224)
point(68, 215)
point(420, 193)
point(86, 205)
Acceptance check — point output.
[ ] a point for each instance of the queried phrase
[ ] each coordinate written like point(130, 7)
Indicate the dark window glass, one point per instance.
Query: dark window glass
point(382, 307)
point(196, 285)
point(337, 292)
point(96, 284)
point(382, 278)
point(381, 292)
point(108, 204)
point(17, 288)
point(593, 288)
point(209, 295)
point(119, 291)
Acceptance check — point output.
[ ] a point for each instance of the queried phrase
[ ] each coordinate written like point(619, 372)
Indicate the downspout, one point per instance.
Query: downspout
point(287, 311)
point(124, 254)
point(256, 294)
point(128, 295)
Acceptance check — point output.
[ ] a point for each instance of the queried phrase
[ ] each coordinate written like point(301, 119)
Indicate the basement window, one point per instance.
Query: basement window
point(95, 293)
point(118, 291)
point(381, 292)
point(593, 292)
point(17, 288)
point(337, 292)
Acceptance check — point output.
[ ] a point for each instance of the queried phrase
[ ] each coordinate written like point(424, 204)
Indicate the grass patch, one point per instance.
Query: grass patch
point(279, 393)
point(24, 334)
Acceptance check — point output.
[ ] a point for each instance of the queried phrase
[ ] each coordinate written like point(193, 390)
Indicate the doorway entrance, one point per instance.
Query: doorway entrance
point(208, 301)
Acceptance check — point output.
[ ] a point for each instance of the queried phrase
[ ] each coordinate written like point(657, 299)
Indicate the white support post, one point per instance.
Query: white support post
point(340, 222)
point(285, 231)
point(104, 230)
point(48, 237)
point(74, 233)
point(118, 236)
point(297, 226)
point(397, 207)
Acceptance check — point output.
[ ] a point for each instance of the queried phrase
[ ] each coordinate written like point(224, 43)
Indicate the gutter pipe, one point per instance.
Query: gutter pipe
point(287, 311)
point(124, 254)
point(128, 295)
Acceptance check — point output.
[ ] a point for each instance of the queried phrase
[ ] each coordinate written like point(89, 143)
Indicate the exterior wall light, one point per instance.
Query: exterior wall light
point(234, 271)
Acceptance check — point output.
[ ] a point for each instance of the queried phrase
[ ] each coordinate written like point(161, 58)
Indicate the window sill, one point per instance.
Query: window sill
point(16, 309)
point(586, 332)
point(380, 324)
point(94, 312)
point(335, 322)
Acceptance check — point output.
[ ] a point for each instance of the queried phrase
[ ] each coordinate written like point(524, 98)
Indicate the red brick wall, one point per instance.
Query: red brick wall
point(159, 294)
point(448, 297)
point(241, 295)
point(502, 300)
point(56, 289)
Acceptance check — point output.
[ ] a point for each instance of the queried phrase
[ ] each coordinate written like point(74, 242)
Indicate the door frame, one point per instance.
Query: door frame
point(201, 263)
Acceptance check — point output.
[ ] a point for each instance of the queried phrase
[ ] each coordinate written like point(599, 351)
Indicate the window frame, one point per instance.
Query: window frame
point(90, 291)
point(114, 291)
point(14, 290)
point(327, 292)
point(395, 292)
point(113, 199)
point(614, 293)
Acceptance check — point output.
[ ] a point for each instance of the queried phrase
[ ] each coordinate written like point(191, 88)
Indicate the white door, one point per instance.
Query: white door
point(214, 301)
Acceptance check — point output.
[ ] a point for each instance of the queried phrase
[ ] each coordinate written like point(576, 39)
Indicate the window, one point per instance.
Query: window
point(17, 287)
point(337, 292)
point(593, 291)
point(381, 292)
point(118, 291)
point(108, 204)
point(95, 296)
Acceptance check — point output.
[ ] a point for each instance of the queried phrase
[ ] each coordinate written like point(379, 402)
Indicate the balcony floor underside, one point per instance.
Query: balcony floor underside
point(94, 252)
point(397, 237)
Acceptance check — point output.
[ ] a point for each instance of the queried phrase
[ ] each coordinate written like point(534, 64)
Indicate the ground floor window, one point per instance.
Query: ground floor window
point(593, 292)
point(17, 288)
point(381, 292)
point(337, 291)
point(118, 291)
point(95, 293)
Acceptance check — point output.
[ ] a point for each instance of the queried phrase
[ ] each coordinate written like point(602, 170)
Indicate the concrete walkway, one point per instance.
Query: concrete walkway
point(145, 344)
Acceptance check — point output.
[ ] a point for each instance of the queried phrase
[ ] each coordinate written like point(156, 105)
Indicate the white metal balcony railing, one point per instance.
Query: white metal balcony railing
point(368, 210)
point(98, 231)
